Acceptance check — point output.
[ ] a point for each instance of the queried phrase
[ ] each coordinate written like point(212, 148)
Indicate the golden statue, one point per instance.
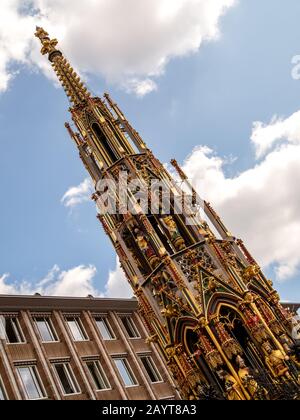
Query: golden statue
point(232, 387)
point(256, 391)
point(175, 236)
point(275, 360)
point(251, 272)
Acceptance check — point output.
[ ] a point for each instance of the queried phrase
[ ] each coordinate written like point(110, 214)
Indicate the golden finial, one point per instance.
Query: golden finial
point(180, 172)
point(74, 88)
point(48, 45)
point(41, 33)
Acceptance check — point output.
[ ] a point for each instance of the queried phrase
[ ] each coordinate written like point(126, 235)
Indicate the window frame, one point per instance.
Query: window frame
point(17, 330)
point(108, 326)
point(36, 379)
point(101, 373)
point(3, 390)
point(129, 370)
point(132, 326)
point(70, 376)
point(52, 330)
point(152, 367)
point(81, 328)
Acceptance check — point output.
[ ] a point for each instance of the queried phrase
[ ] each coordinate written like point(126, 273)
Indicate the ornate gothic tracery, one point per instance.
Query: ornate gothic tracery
point(205, 301)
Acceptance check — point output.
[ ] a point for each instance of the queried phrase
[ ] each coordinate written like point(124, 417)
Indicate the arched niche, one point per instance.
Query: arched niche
point(185, 334)
point(222, 298)
point(104, 143)
point(130, 242)
point(236, 325)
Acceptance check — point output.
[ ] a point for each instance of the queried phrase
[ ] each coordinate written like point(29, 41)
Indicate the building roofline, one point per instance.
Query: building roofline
point(66, 303)
point(292, 306)
point(47, 303)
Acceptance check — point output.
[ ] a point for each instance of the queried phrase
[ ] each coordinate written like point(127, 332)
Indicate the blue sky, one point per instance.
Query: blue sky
point(210, 97)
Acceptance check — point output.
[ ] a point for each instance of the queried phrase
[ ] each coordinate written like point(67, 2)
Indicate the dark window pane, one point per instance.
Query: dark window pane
point(12, 330)
point(98, 376)
point(130, 327)
point(10, 333)
point(151, 369)
point(66, 379)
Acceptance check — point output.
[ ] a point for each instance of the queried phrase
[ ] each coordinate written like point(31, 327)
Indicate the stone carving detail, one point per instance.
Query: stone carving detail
point(190, 260)
point(146, 169)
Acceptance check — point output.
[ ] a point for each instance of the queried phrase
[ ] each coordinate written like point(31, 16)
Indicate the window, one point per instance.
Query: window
point(76, 329)
point(45, 329)
point(125, 372)
point(31, 383)
point(105, 329)
point(130, 327)
point(3, 395)
point(12, 330)
point(66, 378)
point(98, 376)
point(151, 369)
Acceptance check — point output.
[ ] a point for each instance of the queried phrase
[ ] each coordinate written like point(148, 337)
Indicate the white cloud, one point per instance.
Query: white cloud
point(15, 38)
point(78, 195)
point(140, 87)
point(262, 204)
point(265, 136)
point(117, 285)
point(5, 287)
point(128, 42)
point(77, 281)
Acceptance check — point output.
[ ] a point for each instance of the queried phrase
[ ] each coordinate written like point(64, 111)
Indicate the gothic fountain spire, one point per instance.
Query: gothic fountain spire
point(206, 303)
point(71, 82)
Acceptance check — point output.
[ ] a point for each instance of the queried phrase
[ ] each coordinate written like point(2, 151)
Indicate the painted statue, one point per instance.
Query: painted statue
point(255, 391)
point(232, 387)
point(146, 248)
point(173, 231)
point(275, 360)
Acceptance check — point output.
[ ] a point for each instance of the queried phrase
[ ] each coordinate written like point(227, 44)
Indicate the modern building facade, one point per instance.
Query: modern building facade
point(206, 302)
point(78, 349)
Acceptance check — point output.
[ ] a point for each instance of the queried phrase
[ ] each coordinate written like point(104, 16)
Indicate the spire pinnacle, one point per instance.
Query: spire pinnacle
point(48, 45)
point(71, 82)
